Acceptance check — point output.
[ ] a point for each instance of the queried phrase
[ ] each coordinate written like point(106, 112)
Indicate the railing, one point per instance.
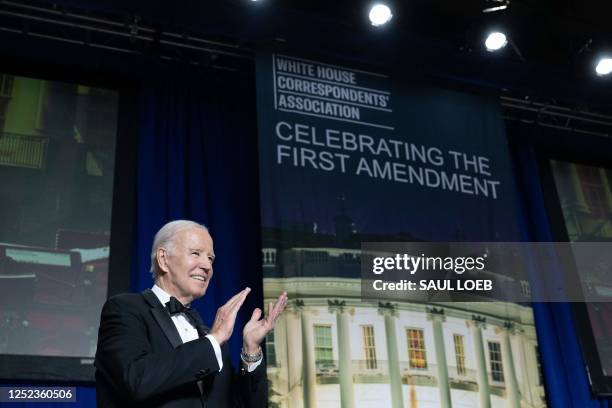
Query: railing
point(22, 150)
point(428, 370)
point(367, 367)
point(327, 368)
point(331, 368)
point(463, 375)
point(370, 367)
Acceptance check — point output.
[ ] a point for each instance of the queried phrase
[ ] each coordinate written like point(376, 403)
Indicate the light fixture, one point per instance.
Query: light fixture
point(380, 14)
point(496, 41)
point(604, 66)
point(496, 5)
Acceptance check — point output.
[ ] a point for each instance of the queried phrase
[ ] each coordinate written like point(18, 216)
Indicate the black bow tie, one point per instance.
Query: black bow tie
point(174, 306)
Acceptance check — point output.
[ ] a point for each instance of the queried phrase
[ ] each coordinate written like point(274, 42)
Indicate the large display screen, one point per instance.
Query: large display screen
point(585, 195)
point(57, 158)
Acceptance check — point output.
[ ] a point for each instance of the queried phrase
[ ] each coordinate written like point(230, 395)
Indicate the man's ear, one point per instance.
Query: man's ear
point(162, 259)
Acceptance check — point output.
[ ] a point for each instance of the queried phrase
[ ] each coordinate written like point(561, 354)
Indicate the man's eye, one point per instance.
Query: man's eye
point(195, 253)
point(211, 259)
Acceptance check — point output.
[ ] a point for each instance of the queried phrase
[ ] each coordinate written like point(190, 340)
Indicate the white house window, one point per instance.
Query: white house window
point(369, 346)
point(323, 345)
point(417, 355)
point(495, 359)
point(459, 353)
point(270, 350)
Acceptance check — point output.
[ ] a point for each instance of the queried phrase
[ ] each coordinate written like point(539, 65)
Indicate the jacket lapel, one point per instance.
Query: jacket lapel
point(162, 317)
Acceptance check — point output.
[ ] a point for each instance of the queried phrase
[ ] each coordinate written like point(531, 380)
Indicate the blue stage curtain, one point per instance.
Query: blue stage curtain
point(563, 367)
point(197, 160)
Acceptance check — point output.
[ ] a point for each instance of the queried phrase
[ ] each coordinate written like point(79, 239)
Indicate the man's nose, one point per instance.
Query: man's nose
point(206, 264)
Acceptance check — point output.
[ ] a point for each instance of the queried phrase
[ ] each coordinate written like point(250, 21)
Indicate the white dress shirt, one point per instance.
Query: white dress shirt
point(188, 332)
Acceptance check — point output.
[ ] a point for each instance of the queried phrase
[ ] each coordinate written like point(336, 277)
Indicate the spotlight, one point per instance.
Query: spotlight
point(496, 41)
point(604, 66)
point(380, 14)
point(496, 5)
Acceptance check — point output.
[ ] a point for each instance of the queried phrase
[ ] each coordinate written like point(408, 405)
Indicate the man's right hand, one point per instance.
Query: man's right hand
point(225, 319)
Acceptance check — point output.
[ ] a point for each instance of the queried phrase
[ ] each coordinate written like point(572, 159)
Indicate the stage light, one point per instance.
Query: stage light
point(496, 41)
point(604, 66)
point(380, 14)
point(496, 5)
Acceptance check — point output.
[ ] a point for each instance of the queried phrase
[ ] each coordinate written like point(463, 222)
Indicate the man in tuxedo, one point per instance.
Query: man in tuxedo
point(153, 349)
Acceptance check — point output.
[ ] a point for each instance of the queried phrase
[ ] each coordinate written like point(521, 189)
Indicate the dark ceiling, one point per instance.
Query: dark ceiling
point(565, 32)
point(552, 52)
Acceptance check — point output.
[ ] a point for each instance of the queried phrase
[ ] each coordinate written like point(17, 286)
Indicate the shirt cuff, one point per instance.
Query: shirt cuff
point(252, 366)
point(217, 349)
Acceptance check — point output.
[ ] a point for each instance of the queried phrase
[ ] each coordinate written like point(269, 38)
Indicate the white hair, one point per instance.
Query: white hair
point(165, 239)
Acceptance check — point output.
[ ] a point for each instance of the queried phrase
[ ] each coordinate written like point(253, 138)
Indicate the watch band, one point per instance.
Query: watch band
point(251, 358)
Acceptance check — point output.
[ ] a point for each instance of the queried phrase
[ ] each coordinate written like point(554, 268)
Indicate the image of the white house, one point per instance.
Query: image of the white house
point(333, 348)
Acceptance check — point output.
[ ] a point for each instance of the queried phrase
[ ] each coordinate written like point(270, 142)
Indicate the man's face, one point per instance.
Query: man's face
point(187, 267)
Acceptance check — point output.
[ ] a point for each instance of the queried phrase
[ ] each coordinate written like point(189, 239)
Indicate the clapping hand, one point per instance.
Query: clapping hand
point(257, 328)
point(225, 318)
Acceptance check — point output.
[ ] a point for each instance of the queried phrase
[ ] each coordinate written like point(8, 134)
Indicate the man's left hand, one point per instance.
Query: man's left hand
point(256, 329)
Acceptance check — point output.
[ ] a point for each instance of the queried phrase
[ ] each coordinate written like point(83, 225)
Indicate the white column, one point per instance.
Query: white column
point(437, 318)
point(308, 358)
point(476, 325)
point(347, 397)
point(514, 397)
point(389, 311)
point(525, 357)
point(294, 356)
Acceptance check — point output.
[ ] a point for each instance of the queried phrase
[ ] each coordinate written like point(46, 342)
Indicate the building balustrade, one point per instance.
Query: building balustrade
point(22, 150)
point(359, 367)
point(370, 367)
point(327, 368)
point(461, 375)
point(377, 371)
point(426, 369)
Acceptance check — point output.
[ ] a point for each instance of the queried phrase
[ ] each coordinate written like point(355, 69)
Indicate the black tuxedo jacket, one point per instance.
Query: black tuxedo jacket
point(141, 361)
